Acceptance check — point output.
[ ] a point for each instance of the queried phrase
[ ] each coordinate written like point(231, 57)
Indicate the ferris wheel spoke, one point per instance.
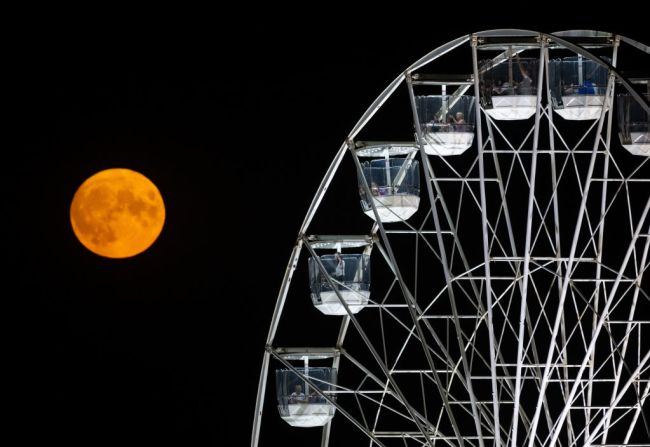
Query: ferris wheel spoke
point(369, 345)
point(628, 330)
point(642, 367)
point(637, 413)
point(602, 318)
point(527, 254)
point(408, 297)
point(445, 265)
point(563, 293)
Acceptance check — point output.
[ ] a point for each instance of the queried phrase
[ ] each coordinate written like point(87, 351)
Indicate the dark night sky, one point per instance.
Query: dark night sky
point(236, 133)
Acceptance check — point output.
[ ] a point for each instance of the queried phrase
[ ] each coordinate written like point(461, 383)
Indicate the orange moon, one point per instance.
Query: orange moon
point(117, 213)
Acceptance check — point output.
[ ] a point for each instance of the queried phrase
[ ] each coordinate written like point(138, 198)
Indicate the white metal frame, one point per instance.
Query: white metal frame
point(562, 329)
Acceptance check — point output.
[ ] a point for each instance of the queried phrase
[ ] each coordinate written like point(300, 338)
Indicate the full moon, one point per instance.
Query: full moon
point(117, 213)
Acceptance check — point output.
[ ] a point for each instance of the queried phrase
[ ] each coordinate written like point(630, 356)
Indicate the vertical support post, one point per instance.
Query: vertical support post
point(599, 254)
point(527, 250)
point(580, 74)
point(445, 104)
point(511, 78)
point(486, 250)
point(306, 363)
point(558, 247)
point(389, 181)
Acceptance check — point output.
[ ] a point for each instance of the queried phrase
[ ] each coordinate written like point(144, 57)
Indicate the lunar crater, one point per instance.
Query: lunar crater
point(117, 213)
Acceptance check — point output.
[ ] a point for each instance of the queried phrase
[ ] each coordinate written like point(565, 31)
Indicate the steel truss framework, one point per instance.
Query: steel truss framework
point(522, 319)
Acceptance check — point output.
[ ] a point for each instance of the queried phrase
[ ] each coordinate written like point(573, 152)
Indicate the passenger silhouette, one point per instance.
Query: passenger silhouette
point(525, 86)
point(297, 396)
point(339, 272)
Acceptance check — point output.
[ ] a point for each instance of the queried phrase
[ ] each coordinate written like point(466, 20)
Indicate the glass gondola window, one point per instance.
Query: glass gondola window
point(394, 188)
point(350, 277)
point(509, 87)
point(578, 87)
point(301, 402)
point(447, 123)
point(634, 125)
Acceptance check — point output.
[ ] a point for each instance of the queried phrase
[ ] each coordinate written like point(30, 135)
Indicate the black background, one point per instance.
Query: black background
point(236, 126)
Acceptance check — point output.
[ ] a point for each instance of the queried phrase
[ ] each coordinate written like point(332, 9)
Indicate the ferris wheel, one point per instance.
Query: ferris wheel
point(508, 242)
